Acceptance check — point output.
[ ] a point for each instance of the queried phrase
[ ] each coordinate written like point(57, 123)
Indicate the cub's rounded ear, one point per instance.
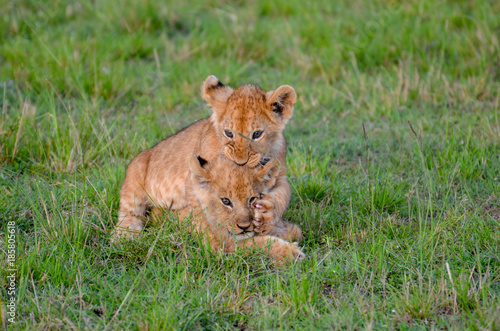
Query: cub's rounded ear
point(197, 166)
point(282, 100)
point(216, 93)
point(268, 173)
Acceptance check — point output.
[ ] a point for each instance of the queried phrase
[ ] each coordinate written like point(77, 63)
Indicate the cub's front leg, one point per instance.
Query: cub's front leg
point(134, 200)
point(277, 198)
point(269, 209)
point(271, 205)
point(266, 223)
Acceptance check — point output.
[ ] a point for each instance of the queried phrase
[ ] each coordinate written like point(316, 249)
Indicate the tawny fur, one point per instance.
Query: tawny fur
point(223, 198)
point(157, 177)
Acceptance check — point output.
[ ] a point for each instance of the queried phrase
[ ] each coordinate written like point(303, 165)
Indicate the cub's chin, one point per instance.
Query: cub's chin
point(241, 236)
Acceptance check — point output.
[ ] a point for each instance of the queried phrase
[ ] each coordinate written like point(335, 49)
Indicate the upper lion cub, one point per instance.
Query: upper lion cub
point(246, 126)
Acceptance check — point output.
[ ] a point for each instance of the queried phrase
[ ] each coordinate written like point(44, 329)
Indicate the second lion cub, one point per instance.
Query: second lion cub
point(222, 205)
point(246, 126)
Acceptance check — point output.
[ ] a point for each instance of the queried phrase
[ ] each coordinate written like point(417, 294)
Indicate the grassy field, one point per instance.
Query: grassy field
point(394, 161)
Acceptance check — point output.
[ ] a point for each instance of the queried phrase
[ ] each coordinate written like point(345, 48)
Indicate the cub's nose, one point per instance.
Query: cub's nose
point(244, 225)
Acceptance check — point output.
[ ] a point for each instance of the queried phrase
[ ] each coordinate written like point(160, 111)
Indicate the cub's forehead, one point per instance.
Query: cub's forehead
point(247, 104)
point(234, 180)
point(248, 92)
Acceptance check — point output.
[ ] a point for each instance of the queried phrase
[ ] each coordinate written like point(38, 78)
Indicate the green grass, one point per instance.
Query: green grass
point(394, 161)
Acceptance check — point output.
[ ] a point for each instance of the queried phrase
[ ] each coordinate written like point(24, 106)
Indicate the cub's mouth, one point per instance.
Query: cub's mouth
point(241, 236)
point(252, 159)
point(265, 160)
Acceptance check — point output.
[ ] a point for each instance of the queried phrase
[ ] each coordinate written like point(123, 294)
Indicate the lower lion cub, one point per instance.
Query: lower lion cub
point(222, 204)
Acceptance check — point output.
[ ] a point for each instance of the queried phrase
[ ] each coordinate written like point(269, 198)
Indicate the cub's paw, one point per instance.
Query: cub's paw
point(284, 252)
point(288, 231)
point(264, 217)
point(128, 227)
point(120, 234)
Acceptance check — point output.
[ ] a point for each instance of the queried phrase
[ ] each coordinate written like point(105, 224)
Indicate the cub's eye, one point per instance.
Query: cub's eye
point(252, 200)
point(226, 202)
point(257, 135)
point(228, 133)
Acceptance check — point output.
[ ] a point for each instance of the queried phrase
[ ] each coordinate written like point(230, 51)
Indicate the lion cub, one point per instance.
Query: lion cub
point(222, 203)
point(246, 126)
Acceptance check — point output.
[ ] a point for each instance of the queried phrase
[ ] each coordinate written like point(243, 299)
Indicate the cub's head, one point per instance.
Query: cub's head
point(227, 192)
point(249, 121)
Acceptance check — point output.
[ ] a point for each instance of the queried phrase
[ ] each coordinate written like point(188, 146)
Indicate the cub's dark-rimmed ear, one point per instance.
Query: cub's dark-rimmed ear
point(282, 100)
point(216, 93)
point(197, 166)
